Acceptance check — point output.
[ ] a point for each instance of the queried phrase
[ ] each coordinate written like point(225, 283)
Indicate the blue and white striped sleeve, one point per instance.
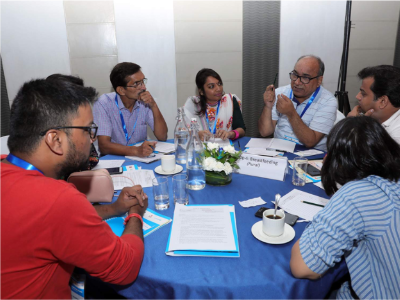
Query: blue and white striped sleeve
point(325, 114)
point(331, 233)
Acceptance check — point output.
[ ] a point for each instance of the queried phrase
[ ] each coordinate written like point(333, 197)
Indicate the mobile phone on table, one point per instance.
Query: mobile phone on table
point(114, 171)
point(289, 218)
point(313, 171)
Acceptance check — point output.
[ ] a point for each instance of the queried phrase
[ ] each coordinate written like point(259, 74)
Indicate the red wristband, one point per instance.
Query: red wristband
point(133, 215)
point(236, 134)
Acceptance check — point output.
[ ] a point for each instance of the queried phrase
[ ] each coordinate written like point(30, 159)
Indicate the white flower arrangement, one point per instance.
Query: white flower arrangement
point(218, 159)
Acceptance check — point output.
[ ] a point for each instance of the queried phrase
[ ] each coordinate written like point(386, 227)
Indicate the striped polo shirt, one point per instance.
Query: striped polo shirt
point(362, 224)
point(107, 117)
point(320, 115)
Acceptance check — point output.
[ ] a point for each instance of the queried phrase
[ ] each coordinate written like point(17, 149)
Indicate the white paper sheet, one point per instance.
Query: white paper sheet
point(291, 203)
point(149, 159)
point(104, 164)
point(133, 177)
point(121, 181)
point(262, 151)
point(221, 142)
point(202, 228)
point(252, 202)
point(277, 144)
point(309, 152)
point(319, 184)
point(164, 147)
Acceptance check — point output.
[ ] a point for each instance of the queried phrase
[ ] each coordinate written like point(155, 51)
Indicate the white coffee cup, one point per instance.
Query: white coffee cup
point(273, 227)
point(168, 163)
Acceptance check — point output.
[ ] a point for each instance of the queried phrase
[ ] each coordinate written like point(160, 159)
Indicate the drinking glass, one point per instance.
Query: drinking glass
point(181, 194)
point(161, 193)
point(299, 171)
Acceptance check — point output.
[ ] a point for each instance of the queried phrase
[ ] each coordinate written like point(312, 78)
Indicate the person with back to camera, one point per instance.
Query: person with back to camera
point(216, 113)
point(361, 222)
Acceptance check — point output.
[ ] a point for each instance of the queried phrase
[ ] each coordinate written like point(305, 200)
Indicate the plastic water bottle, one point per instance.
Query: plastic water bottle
point(181, 137)
point(194, 160)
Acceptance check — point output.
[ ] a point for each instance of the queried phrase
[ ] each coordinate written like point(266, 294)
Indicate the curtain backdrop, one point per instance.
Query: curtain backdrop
point(4, 104)
point(261, 30)
point(396, 61)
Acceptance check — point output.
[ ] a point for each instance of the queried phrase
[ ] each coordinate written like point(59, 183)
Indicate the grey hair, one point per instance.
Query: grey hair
point(320, 63)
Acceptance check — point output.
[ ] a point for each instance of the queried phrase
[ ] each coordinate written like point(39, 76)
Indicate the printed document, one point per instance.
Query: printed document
point(148, 159)
point(277, 144)
point(292, 203)
point(262, 151)
point(202, 228)
point(133, 177)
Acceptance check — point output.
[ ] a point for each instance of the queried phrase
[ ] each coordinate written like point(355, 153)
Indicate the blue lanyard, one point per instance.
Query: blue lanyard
point(21, 163)
point(309, 101)
point(128, 138)
point(213, 131)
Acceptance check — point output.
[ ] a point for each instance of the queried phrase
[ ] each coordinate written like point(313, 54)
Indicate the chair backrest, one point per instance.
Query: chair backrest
point(339, 116)
point(4, 147)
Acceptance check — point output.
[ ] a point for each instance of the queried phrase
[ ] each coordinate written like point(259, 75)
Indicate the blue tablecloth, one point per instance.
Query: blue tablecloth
point(262, 271)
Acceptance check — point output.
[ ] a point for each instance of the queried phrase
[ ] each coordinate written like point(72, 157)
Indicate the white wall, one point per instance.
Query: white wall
point(372, 39)
point(92, 42)
point(312, 27)
point(145, 35)
point(33, 41)
point(208, 34)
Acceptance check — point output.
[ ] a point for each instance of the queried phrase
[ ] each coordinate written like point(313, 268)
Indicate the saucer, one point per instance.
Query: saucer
point(160, 171)
point(287, 236)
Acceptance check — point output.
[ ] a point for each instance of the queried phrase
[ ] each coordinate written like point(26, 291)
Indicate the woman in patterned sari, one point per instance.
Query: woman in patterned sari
point(217, 113)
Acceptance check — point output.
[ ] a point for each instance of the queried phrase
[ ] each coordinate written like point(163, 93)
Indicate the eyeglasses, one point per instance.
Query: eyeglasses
point(91, 129)
point(304, 79)
point(138, 83)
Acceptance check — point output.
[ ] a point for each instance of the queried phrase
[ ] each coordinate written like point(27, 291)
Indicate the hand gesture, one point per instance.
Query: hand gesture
point(223, 134)
point(131, 198)
point(147, 98)
point(356, 111)
point(205, 135)
point(269, 96)
point(285, 105)
point(145, 149)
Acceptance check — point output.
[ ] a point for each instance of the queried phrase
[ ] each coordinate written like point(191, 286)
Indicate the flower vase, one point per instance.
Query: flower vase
point(218, 178)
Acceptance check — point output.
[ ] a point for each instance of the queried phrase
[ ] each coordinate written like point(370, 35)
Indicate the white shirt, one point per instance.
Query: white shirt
point(392, 126)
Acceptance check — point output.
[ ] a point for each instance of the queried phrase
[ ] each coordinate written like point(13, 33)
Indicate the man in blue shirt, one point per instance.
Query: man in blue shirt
point(302, 112)
point(123, 116)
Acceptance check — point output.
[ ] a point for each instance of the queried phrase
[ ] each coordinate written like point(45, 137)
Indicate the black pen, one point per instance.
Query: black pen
point(239, 145)
point(271, 149)
point(276, 76)
point(315, 204)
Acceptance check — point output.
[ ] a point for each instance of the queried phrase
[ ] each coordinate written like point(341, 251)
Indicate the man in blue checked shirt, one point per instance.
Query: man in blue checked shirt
point(303, 112)
point(123, 116)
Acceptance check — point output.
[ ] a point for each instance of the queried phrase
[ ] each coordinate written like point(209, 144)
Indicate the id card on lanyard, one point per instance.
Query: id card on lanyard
point(123, 122)
point(21, 163)
point(214, 130)
point(309, 101)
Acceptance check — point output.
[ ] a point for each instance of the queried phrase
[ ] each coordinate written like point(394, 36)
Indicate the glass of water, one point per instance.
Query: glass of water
point(299, 171)
point(161, 193)
point(181, 194)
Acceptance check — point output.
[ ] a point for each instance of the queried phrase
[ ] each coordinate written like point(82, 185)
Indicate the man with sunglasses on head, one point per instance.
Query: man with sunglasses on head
point(123, 116)
point(47, 226)
point(303, 112)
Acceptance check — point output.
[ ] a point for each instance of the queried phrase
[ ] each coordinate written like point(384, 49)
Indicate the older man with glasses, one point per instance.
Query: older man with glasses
point(303, 112)
point(123, 116)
